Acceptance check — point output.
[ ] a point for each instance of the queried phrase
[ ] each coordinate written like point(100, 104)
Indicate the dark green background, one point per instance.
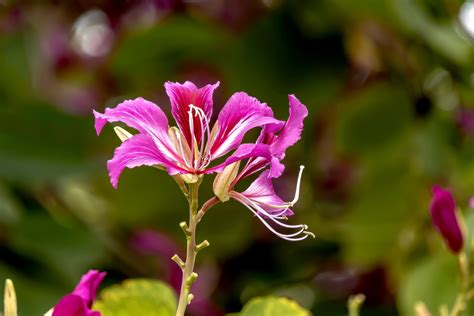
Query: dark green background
point(386, 84)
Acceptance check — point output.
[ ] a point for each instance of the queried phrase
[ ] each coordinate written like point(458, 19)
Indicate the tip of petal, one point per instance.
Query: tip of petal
point(295, 102)
point(186, 84)
point(114, 181)
point(276, 168)
point(114, 173)
point(99, 122)
point(436, 189)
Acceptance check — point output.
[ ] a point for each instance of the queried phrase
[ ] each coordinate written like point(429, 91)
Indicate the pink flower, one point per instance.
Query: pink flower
point(79, 302)
point(190, 147)
point(443, 214)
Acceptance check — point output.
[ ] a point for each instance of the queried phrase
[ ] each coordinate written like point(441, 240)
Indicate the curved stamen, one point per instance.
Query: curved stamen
point(203, 159)
point(289, 237)
point(258, 211)
point(292, 203)
point(279, 215)
point(193, 137)
point(204, 123)
point(272, 217)
point(298, 185)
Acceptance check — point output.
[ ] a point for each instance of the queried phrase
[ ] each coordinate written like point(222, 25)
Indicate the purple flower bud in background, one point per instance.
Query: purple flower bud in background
point(471, 202)
point(443, 213)
point(465, 121)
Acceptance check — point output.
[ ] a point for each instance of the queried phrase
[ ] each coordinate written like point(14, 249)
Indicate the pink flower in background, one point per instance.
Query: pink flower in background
point(79, 302)
point(189, 148)
point(465, 120)
point(443, 214)
point(471, 202)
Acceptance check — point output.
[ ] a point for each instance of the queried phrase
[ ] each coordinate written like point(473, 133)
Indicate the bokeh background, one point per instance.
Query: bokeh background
point(389, 88)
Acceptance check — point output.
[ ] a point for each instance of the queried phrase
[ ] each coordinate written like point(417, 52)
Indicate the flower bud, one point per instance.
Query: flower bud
point(10, 308)
point(191, 178)
point(122, 133)
point(223, 181)
point(443, 214)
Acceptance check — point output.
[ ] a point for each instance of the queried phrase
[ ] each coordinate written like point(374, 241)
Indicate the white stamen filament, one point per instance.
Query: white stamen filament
point(289, 237)
point(258, 211)
point(297, 194)
point(204, 124)
point(298, 185)
point(202, 160)
point(193, 137)
point(273, 217)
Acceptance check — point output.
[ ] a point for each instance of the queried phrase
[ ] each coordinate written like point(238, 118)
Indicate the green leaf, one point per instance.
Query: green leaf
point(273, 306)
point(137, 297)
point(434, 282)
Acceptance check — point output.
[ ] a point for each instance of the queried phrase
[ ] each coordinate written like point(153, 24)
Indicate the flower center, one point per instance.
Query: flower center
point(200, 158)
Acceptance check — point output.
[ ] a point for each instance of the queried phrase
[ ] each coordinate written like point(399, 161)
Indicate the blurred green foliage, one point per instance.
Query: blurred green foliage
point(137, 297)
point(389, 88)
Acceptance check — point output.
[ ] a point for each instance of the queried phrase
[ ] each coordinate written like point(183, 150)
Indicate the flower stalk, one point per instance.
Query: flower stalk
point(463, 295)
point(192, 249)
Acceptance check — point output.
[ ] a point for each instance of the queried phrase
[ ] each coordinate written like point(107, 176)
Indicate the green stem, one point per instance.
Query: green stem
point(463, 296)
point(354, 304)
point(189, 276)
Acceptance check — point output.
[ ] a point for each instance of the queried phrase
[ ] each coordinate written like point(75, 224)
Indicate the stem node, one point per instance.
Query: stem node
point(191, 279)
point(178, 261)
point(185, 228)
point(190, 298)
point(202, 245)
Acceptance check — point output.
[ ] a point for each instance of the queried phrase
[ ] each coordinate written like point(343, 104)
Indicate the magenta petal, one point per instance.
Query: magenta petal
point(261, 191)
point(141, 114)
point(181, 96)
point(71, 305)
point(88, 285)
point(276, 168)
point(139, 150)
point(291, 131)
point(443, 213)
point(240, 114)
point(144, 116)
point(244, 151)
point(80, 301)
